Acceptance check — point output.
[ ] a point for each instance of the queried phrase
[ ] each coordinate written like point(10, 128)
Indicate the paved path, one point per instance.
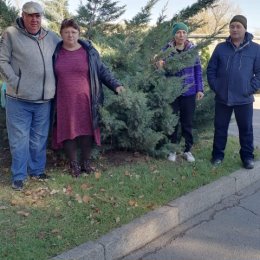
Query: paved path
point(228, 231)
point(256, 119)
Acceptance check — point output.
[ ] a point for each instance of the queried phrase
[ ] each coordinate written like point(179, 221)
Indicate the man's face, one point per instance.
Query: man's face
point(237, 31)
point(32, 22)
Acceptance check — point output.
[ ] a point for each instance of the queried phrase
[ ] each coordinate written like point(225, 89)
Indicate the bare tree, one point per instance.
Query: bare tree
point(215, 18)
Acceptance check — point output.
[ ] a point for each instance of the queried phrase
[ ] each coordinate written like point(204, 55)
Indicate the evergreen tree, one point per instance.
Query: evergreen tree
point(8, 14)
point(133, 56)
point(144, 16)
point(97, 16)
point(55, 12)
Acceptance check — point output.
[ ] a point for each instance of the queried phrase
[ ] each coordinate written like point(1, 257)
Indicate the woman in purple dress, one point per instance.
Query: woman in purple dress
point(79, 75)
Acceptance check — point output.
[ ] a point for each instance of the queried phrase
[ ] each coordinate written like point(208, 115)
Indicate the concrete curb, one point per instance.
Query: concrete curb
point(130, 237)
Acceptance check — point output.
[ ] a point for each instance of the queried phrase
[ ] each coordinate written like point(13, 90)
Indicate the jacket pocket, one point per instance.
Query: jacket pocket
point(247, 89)
point(18, 84)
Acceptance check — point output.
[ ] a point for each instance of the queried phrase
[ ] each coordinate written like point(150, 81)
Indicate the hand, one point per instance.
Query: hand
point(199, 95)
point(119, 89)
point(159, 64)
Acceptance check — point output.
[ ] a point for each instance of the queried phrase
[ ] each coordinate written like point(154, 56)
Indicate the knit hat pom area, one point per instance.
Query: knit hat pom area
point(241, 19)
point(179, 26)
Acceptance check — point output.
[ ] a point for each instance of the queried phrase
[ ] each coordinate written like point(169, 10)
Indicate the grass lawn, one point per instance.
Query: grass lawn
point(50, 217)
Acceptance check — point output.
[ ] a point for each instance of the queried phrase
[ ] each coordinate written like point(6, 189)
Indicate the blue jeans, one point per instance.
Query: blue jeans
point(28, 127)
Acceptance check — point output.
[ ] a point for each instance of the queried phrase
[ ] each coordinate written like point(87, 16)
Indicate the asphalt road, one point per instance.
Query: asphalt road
point(228, 231)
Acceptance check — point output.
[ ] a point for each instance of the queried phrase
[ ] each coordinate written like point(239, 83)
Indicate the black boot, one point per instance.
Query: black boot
point(85, 167)
point(74, 169)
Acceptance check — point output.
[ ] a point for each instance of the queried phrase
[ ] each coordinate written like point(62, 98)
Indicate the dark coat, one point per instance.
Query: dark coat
point(98, 74)
point(234, 73)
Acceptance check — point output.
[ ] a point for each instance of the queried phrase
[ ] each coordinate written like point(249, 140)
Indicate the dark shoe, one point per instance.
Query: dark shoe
point(75, 169)
point(17, 185)
point(43, 176)
point(40, 177)
point(216, 162)
point(85, 167)
point(249, 164)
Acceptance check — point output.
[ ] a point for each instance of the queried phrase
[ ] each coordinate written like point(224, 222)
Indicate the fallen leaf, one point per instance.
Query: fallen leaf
point(23, 213)
point(132, 203)
point(54, 192)
point(3, 207)
point(102, 190)
point(14, 202)
point(85, 186)
point(78, 198)
point(68, 190)
point(28, 193)
point(86, 199)
point(117, 219)
point(97, 175)
point(97, 210)
point(127, 174)
point(151, 206)
point(55, 231)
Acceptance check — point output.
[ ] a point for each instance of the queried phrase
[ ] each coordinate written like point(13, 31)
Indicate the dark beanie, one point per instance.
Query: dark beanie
point(241, 19)
point(179, 26)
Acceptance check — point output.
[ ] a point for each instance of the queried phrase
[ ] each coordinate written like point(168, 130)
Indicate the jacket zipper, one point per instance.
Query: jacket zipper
point(44, 70)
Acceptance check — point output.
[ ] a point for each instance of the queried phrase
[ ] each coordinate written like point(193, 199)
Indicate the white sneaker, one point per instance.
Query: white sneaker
point(188, 156)
point(172, 157)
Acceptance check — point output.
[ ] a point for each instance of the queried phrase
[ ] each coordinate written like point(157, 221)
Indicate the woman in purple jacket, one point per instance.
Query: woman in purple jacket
point(185, 104)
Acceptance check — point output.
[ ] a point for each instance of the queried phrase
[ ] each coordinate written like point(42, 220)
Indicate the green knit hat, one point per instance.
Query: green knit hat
point(179, 26)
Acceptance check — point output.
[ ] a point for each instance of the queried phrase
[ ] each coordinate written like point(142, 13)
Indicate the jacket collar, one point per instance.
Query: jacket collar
point(187, 45)
point(247, 39)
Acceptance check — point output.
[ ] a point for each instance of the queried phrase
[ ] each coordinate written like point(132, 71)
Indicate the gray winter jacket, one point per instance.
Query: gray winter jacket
point(26, 63)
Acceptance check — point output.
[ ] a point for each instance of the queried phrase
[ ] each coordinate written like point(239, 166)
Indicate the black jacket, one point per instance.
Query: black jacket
point(98, 74)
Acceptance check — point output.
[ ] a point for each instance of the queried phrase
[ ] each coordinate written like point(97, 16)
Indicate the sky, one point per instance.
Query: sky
point(249, 8)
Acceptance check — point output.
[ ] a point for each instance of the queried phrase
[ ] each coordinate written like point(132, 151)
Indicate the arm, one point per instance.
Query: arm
point(198, 79)
point(6, 69)
point(212, 70)
point(255, 81)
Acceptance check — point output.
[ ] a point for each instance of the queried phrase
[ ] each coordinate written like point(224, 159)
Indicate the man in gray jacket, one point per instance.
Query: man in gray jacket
point(26, 65)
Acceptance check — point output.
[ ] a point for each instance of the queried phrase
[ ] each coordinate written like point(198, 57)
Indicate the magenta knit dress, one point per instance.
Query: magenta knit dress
point(73, 97)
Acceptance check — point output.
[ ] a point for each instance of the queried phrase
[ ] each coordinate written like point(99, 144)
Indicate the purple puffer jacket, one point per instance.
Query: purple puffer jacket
point(192, 76)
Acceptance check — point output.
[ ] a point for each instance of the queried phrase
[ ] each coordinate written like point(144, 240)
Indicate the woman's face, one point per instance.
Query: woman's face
point(70, 36)
point(180, 37)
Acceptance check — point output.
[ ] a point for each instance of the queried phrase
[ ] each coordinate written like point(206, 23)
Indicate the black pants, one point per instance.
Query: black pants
point(244, 119)
point(184, 106)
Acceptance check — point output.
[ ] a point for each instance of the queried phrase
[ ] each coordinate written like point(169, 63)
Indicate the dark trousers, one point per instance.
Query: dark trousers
point(244, 119)
point(184, 106)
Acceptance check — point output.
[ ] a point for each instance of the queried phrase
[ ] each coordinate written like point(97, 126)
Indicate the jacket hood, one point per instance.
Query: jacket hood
point(19, 24)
